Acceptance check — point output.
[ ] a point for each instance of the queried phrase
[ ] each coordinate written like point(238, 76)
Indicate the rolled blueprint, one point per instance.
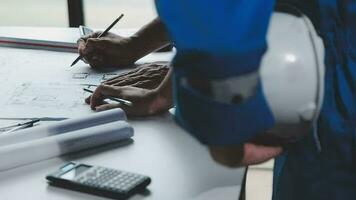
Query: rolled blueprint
point(40, 149)
point(63, 126)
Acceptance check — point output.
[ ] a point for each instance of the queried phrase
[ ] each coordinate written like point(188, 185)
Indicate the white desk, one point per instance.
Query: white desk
point(179, 166)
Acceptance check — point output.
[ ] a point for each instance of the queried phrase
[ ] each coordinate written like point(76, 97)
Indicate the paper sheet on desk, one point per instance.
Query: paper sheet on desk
point(21, 66)
point(41, 83)
point(44, 99)
point(40, 149)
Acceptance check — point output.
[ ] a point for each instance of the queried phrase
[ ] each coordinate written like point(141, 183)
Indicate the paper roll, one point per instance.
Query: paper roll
point(40, 149)
point(63, 126)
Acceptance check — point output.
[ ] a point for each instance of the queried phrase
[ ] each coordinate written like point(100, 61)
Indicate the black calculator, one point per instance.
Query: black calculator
point(101, 181)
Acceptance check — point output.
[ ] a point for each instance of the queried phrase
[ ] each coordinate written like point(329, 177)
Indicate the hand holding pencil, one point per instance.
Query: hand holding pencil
point(100, 48)
point(110, 51)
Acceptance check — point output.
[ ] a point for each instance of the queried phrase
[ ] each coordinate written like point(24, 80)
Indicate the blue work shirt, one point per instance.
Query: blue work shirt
point(323, 164)
point(304, 171)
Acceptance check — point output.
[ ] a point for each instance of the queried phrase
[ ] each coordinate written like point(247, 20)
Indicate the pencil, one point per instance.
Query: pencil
point(123, 101)
point(99, 36)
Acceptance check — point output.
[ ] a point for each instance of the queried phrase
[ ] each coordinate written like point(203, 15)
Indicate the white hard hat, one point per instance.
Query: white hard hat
point(292, 70)
point(291, 75)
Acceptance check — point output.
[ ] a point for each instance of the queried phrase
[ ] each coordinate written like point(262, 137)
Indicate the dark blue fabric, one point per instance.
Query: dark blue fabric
point(217, 41)
point(221, 29)
point(213, 123)
point(213, 26)
point(303, 172)
point(196, 63)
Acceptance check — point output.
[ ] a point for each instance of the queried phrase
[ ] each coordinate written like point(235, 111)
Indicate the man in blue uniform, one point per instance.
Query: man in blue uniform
point(219, 39)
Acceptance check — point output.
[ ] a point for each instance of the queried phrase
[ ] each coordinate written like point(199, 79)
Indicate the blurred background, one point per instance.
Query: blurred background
point(64, 13)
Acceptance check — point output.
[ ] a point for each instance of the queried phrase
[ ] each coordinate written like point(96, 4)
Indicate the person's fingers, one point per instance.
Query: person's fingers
point(116, 79)
point(99, 43)
point(81, 47)
point(106, 90)
point(92, 54)
point(148, 68)
point(96, 44)
point(84, 60)
point(125, 82)
point(123, 77)
point(120, 77)
point(91, 44)
point(129, 111)
point(85, 50)
point(256, 154)
point(244, 155)
point(100, 93)
point(156, 74)
point(107, 107)
point(96, 35)
point(92, 35)
point(81, 44)
point(87, 100)
point(113, 80)
point(146, 84)
point(94, 62)
point(140, 83)
point(129, 80)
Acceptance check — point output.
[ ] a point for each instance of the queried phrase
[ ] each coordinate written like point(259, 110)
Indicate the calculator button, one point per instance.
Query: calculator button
point(110, 179)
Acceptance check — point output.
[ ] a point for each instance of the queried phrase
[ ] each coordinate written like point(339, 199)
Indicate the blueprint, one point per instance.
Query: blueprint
point(36, 83)
point(44, 99)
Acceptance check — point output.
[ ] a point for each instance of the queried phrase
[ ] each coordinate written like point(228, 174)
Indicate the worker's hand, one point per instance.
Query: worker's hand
point(108, 51)
point(244, 155)
point(147, 76)
point(145, 102)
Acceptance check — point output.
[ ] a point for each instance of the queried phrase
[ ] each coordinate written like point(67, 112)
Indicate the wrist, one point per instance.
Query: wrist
point(143, 45)
point(137, 51)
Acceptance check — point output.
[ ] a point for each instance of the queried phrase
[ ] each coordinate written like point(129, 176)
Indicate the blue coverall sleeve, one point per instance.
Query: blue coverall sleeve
point(218, 40)
point(234, 30)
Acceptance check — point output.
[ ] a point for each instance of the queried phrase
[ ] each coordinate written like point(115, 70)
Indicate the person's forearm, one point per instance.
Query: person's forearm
point(151, 37)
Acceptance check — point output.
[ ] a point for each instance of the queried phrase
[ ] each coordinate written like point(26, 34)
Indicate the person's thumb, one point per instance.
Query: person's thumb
point(92, 35)
point(100, 93)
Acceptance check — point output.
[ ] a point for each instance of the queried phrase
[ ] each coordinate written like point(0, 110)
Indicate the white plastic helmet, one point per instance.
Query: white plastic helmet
point(292, 70)
point(291, 73)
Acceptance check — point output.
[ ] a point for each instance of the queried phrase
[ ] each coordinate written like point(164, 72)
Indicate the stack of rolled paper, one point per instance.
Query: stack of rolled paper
point(47, 141)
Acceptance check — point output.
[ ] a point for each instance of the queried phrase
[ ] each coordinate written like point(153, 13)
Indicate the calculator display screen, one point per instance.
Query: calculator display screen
point(70, 175)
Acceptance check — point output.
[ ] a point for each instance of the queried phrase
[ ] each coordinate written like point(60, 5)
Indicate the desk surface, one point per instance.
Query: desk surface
point(179, 166)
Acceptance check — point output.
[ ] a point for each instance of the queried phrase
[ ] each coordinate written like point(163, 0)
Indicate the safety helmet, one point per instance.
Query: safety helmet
point(284, 97)
point(292, 73)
